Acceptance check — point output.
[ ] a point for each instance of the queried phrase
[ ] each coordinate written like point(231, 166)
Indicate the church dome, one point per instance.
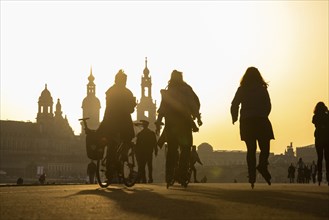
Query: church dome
point(205, 148)
point(45, 95)
point(91, 101)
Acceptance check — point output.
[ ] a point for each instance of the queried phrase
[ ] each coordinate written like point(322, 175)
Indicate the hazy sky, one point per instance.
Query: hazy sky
point(211, 42)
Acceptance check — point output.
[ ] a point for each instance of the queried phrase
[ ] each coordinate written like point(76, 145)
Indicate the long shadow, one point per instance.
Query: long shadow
point(143, 200)
point(312, 203)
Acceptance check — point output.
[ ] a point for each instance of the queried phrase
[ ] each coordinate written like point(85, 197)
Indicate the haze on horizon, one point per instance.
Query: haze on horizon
point(211, 42)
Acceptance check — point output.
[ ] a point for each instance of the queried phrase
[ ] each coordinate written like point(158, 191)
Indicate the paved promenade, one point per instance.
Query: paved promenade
point(154, 201)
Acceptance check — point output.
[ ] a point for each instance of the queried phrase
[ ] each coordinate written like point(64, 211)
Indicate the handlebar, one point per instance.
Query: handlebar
point(84, 120)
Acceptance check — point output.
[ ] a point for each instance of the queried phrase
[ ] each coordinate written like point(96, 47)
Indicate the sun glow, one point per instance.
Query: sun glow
point(211, 42)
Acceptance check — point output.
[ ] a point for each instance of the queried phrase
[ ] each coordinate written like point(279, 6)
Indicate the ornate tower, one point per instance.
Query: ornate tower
point(146, 109)
point(45, 106)
point(91, 104)
point(58, 111)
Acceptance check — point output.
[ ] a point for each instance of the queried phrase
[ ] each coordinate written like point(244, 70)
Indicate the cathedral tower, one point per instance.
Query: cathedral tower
point(91, 104)
point(146, 109)
point(45, 106)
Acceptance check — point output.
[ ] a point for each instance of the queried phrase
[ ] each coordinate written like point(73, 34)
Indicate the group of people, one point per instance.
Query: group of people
point(180, 109)
point(305, 172)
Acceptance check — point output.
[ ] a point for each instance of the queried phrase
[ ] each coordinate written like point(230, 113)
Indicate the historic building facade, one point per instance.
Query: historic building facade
point(47, 146)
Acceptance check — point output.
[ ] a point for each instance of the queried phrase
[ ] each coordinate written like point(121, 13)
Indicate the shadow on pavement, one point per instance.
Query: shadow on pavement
point(144, 201)
point(304, 202)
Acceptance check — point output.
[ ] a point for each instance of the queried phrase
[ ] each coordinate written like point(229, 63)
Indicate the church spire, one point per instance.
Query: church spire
point(91, 85)
point(58, 112)
point(146, 70)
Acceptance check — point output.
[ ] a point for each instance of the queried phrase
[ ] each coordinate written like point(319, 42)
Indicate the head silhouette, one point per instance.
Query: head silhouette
point(176, 77)
point(252, 77)
point(320, 108)
point(121, 78)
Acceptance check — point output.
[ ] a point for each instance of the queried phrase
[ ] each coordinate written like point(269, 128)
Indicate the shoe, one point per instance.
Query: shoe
point(184, 183)
point(170, 183)
point(252, 180)
point(264, 172)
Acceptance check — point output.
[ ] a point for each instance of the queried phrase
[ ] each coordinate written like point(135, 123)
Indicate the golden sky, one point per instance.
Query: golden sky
point(211, 42)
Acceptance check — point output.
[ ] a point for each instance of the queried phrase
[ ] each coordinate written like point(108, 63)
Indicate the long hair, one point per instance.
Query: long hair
point(320, 108)
point(176, 78)
point(252, 76)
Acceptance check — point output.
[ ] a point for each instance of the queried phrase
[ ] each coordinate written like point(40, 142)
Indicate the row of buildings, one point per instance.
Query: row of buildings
point(49, 145)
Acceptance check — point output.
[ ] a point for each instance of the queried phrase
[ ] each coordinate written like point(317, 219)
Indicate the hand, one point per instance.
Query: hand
point(200, 122)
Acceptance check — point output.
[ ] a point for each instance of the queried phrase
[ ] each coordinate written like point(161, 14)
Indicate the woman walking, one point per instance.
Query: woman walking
point(254, 123)
point(321, 122)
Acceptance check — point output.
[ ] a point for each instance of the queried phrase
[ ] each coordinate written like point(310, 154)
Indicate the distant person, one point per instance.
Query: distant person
point(204, 179)
point(313, 171)
point(179, 106)
point(307, 173)
point(20, 181)
point(300, 170)
point(291, 173)
point(321, 122)
point(146, 144)
point(117, 124)
point(91, 171)
point(194, 159)
point(254, 122)
point(42, 178)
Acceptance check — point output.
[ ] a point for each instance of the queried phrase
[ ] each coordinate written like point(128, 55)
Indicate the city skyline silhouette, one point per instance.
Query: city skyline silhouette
point(212, 43)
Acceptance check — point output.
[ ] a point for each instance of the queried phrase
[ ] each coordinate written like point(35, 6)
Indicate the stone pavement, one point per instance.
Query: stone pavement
point(154, 201)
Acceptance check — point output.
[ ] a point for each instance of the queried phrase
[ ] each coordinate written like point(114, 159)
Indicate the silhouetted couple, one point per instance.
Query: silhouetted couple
point(179, 107)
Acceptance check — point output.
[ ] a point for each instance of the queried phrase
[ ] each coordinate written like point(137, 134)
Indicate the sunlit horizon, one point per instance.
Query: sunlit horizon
point(211, 42)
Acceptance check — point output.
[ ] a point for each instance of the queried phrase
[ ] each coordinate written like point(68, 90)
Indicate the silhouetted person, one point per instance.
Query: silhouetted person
point(42, 178)
point(204, 179)
point(300, 170)
point(117, 124)
point(307, 174)
point(179, 106)
point(194, 159)
point(254, 122)
point(291, 173)
point(313, 171)
point(321, 122)
point(146, 144)
point(20, 181)
point(91, 171)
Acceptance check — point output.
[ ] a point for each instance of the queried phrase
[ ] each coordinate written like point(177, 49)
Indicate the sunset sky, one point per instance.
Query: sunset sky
point(211, 42)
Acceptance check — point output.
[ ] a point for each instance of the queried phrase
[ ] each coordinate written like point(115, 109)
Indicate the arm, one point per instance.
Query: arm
point(268, 103)
point(235, 106)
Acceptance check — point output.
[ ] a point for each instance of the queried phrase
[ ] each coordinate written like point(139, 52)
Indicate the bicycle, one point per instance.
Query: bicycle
point(124, 163)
